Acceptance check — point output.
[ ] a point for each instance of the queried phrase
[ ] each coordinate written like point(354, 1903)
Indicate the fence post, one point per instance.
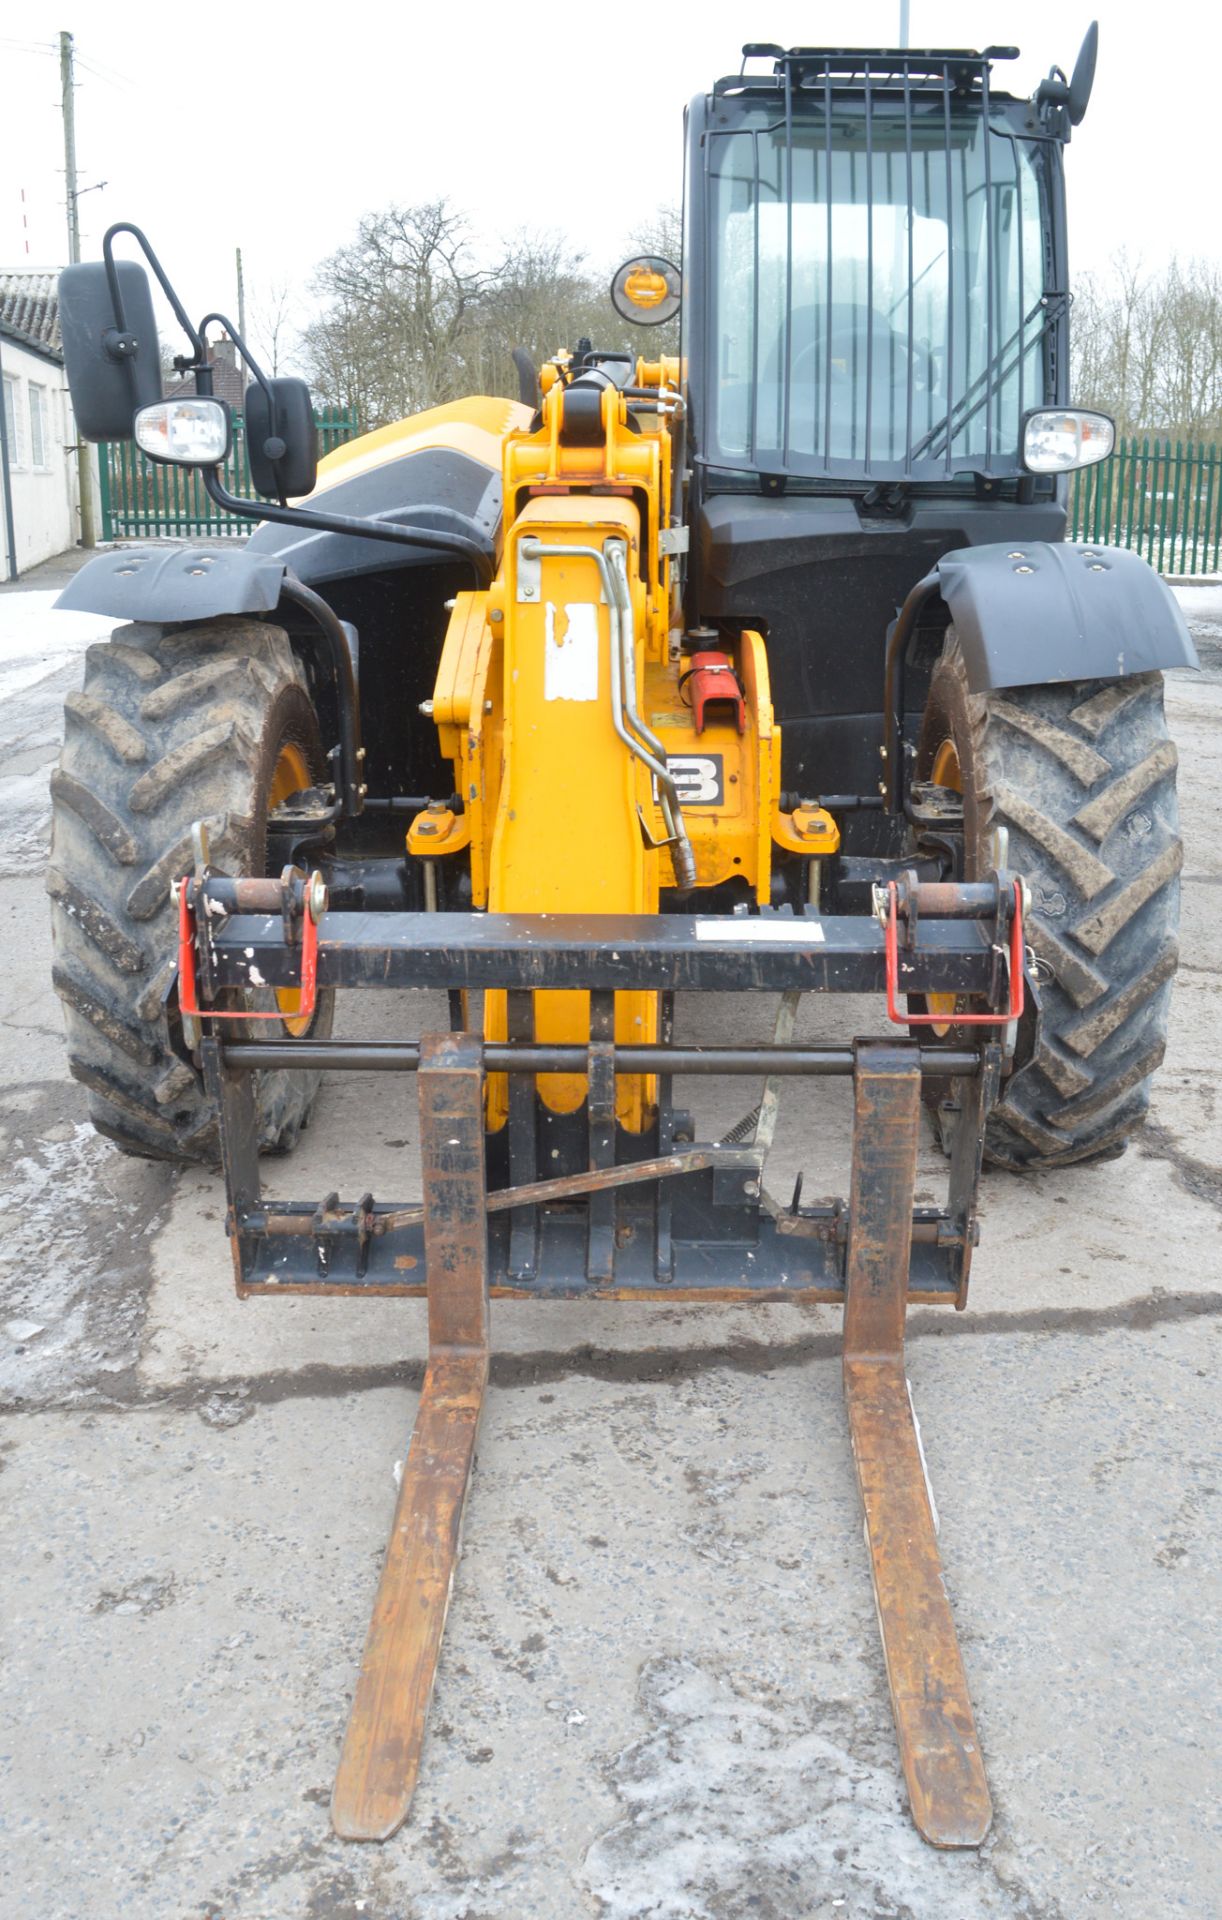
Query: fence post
point(1106, 530)
point(104, 490)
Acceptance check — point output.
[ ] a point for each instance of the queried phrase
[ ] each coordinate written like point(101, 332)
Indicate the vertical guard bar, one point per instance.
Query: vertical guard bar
point(990, 266)
point(663, 1253)
point(233, 1095)
point(950, 277)
point(600, 1109)
point(382, 1747)
point(523, 1143)
point(869, 420)
point(939, 1748)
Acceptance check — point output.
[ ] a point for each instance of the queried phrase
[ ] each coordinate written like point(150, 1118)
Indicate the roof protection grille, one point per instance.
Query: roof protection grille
point(916, 69)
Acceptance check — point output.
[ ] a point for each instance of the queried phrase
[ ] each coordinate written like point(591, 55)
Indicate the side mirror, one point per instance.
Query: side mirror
point(112, 371)
point(1061, 103)
point(281, 439)
point(1082, 78)
point(647, 290)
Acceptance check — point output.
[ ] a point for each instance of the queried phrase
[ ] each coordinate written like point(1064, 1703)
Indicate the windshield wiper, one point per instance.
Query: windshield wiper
point(991, 376)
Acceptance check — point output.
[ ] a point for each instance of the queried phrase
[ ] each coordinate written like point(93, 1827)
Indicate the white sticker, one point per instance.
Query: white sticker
point(570, 658)
point(794, 933)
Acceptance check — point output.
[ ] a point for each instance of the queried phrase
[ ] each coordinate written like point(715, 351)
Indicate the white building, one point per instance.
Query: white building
point(39, 496)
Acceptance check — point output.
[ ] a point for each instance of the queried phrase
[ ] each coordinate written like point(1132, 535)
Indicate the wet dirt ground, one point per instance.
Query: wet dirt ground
point(662, 1692)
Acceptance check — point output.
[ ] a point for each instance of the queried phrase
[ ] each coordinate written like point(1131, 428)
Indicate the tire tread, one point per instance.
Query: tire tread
point(171, 726)
point(1096, 834)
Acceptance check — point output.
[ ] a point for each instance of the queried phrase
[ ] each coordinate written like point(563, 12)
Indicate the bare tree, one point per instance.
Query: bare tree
point(401, 299)
point(415, 314)
point(661, 234)
point(1189, 375)
point(1147, 347)
point(271, 312)
point(542, 298)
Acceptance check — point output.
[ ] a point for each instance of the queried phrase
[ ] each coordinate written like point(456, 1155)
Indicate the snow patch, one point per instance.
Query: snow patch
point(759, 1805)
point(57, 1265)
point(36, 640)
point(40, 663)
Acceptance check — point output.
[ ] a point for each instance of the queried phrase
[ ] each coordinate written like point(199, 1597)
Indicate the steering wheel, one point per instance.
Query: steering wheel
point(846, 337)
point(849, 335)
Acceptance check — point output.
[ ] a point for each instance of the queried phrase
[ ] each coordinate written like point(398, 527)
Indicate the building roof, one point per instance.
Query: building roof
point(29, 312)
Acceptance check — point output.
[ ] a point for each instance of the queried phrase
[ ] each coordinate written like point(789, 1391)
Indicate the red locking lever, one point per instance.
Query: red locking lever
point(1017, 982)
point(187, 998)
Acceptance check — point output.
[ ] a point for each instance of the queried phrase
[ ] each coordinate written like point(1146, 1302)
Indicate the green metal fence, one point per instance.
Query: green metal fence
point(141, 499)
point(1163, 498)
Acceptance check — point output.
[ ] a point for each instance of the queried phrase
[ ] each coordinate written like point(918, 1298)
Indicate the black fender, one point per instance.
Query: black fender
point(194, 584)
point(1030, 612)
point(181, 583)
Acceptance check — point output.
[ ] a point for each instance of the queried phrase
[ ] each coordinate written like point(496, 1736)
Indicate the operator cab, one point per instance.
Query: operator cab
point(876, 306)
point(878, 274)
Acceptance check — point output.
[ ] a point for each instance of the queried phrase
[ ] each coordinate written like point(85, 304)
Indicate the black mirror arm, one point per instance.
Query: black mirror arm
point(462, 545)
point(163, 281)
point(223, 320)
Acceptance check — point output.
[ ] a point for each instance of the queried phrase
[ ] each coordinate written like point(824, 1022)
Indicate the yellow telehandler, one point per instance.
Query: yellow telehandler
point(764, 667)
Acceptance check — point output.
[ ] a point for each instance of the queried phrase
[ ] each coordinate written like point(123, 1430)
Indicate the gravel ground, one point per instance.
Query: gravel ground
point(662, 1692)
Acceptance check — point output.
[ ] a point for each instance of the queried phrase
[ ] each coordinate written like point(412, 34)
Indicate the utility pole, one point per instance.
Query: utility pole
point(241, 296)
point(903, 23)
point(67, 90)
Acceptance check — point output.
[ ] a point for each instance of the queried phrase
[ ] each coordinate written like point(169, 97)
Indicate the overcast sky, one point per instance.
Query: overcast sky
point(273, 127)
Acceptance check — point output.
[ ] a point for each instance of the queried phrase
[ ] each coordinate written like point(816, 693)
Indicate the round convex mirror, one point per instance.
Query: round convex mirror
point(646, 290)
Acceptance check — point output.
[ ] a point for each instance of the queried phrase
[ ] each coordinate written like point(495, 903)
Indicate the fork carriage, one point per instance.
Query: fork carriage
point(653, 1216)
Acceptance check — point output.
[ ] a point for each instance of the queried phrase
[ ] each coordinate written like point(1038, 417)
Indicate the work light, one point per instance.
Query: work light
point(1057, 441)
point(189, 432)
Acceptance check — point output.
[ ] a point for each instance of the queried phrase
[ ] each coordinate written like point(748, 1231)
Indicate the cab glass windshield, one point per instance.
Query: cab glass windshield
point(878, 292)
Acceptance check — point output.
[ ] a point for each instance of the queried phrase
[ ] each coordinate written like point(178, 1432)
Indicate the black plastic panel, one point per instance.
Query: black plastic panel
point(402, 488)
point(176, 583)
point(1027, 613)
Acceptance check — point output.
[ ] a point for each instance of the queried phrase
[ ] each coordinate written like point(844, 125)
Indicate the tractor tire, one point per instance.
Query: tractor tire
point(1082, 777)
point(173, 725)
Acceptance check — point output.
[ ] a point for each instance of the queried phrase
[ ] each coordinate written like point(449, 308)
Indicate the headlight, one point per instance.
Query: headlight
point(1056, 442)
point(189, 432)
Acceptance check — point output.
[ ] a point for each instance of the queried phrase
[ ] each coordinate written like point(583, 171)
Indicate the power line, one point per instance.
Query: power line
point(110, 77)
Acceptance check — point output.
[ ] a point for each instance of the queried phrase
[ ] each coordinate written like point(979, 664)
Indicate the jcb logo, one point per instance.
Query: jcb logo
point(699, 778)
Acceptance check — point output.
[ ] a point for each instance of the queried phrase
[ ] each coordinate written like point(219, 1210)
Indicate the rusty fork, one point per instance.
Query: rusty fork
point(939, 1748)
point(382, 1747)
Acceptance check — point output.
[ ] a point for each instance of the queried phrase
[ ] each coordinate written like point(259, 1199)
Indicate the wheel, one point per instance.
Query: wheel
point(1081, 778)
point(174, 725)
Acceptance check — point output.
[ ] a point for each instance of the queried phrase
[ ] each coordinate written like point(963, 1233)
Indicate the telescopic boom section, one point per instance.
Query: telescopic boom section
point(560, 700)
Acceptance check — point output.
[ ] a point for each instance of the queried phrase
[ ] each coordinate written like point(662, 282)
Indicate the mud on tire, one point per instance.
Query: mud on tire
point(1083, 777)
point(172, 726)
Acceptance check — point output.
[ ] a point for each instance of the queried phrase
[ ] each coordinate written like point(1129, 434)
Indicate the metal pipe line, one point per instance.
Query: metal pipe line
point(642, 744)
point(403, 1056)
